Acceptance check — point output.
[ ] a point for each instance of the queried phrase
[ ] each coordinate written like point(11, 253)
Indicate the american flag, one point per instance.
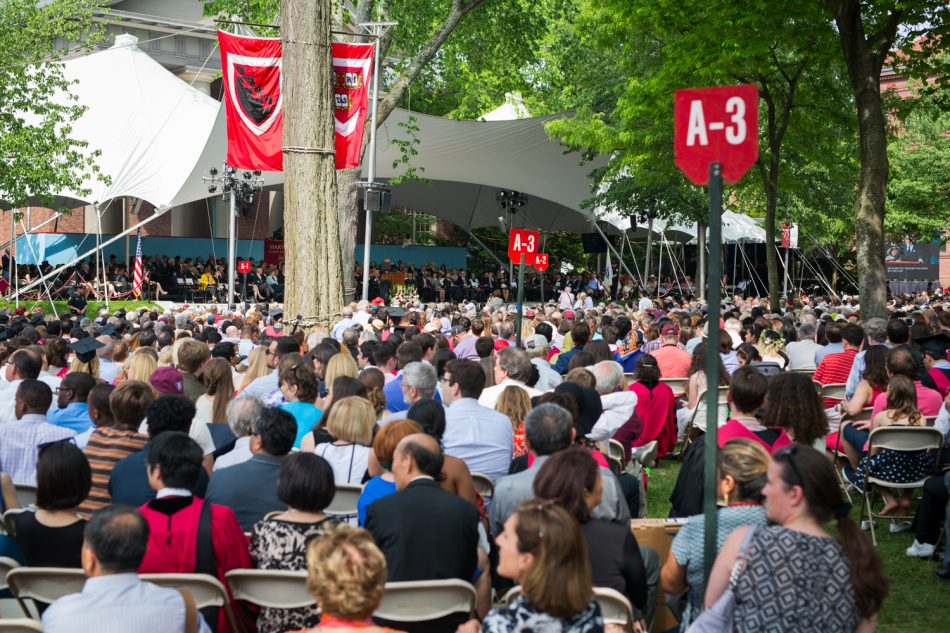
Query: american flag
point(137, 269)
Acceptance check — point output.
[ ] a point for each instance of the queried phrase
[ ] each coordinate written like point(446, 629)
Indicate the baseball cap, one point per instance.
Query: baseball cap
point(568, 314)
point(529, 314)
point(669, 329)
point(501, 344)
point(168, 381)
point(536, 341)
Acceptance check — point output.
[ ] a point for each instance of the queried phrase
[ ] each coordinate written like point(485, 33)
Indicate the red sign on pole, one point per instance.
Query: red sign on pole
point(716, 125)
point(541, 262)
point(522, 242)
point(786, 235)
point(244, 267)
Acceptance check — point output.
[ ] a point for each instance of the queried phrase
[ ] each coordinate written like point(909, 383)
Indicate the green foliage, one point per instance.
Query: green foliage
point(39, 156)
point(408, 149)
point(918, 188)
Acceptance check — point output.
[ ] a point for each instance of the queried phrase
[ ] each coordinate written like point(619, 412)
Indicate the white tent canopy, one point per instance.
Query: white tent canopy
point(736, 228)
point(158, 137)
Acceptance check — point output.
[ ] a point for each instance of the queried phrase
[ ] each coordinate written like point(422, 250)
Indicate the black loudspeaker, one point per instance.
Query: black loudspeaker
point(594, 243)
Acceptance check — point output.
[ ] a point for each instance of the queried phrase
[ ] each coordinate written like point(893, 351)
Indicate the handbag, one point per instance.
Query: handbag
point(720, 617)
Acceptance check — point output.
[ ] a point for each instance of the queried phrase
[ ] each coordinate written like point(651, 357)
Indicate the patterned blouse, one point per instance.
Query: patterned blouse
point(521, 617)
point(279, 544)
point(795, 582)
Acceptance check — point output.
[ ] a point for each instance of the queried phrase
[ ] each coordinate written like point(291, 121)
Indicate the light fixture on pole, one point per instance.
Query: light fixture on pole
point(373, 192)
point(237, 188)
point(510, 201)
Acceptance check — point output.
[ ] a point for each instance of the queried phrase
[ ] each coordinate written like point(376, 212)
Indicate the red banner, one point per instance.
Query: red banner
point(251, 68)
point(786, 235)
point(352, 70)
point(273, 251)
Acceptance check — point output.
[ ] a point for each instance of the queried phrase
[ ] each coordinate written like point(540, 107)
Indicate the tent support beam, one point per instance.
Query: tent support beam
point(485, 248)
point(611, 247)
point(29, 230)
point(33, 284)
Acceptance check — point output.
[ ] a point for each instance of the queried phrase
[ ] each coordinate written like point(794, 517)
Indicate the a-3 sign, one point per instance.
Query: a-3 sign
point(716, 125)
point(541, 262)
point(522, 242)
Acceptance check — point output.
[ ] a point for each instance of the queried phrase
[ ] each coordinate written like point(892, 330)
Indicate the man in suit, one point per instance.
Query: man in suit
point(250, 488)
point(425, 532)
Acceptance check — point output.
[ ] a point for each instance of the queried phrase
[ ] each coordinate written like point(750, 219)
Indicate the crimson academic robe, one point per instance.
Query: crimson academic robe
point(655, 406)
point(173, 540)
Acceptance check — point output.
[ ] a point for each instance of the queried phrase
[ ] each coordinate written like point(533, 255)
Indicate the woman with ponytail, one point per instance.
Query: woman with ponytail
point(795, 576)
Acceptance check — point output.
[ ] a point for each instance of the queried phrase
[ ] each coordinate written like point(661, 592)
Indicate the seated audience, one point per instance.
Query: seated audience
point(655, 407)
point(21, 438)
point(792, 404)
point(512, 368)
point(52, 536)
point(305, 487)
point(170, 382)
point(250, 488)
point(347, 578)
point(113, 598)
point(243, 413)
point(298, 384)
point(741, 468)
point(72, 409)
point(572, 478)
point(129, 482)
point(351, 423)
point(384, 447)
point(514, 404)
point(542, 549)
point(187, 535)
point(100, 413)
point(796, 568)
point(109, 444)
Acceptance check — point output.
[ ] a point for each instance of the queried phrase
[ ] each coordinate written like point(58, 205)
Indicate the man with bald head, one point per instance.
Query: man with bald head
point(425, 532)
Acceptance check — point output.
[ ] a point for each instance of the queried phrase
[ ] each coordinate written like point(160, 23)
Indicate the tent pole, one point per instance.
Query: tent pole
point(49, 295)
point(646, 267)
point(103, 288)
point(611, 247)
point(701, 260)
point(55, 216)
point(13, 272)
point(232, 247)
point(79, 258)
point(485, 248)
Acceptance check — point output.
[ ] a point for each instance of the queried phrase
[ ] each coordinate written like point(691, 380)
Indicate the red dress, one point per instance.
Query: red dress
point(655, 406)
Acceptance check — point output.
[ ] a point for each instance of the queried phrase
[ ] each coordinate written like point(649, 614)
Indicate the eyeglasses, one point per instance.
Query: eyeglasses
point(789, 452)
point(448, 380)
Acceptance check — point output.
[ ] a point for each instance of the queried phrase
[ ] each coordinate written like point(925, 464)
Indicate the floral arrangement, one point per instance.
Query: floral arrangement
point(401, 296)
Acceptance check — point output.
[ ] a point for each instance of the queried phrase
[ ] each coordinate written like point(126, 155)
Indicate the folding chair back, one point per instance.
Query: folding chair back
point(511, 595)
point(26, 493)
point(6, 564)
point(345, 500)
point(678, 385)
point(864, 415)
point(424, 600)
point(615, 450)
point(905, 438)
point(44, 584)
point(817, 385)
point(804, 371)
point(277, 589)
point(9, 519)
point(689, 432)
point(614, 606)
point(833, 390)
point(19, 625)
point(204, 588)
point(484, 485)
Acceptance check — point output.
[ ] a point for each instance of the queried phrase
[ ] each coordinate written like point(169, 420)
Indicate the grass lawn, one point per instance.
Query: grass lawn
point(92, 309)
point(918, 602)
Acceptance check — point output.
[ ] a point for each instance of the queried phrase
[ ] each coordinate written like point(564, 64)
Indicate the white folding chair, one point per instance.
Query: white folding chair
point(805, 371)
point(721, 401)
point(484, 485)
point(904, 439)
point(511, 595)
point(678, 385)
point(26, 493)
point(6, 564)
point(276, 589)
point(424, 600)
point(833, 390)
point(9, 519)
point(43, 584)
point(205, 589)
point(344, 504)
point(614, 607)
point(19, 625)
point(615, 450)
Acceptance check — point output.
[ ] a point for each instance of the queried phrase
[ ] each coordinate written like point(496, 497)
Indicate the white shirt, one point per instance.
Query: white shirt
point(349, 461)
point(549, 378)
point(262, 386)
point(198, 431)
point(8, 401)
point(479, 436)
point(362, 317)
point(338, 329)
point(237, 455)
point(490, 395)
point(108, 370)
point(118, 603)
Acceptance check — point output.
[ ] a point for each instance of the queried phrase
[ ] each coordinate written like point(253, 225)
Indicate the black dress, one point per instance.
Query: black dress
point(44, 546)
point(615, 560)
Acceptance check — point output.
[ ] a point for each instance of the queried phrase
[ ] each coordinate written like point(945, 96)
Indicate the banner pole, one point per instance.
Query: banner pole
point(712, 368)
point(368, 229)
point(232, 246)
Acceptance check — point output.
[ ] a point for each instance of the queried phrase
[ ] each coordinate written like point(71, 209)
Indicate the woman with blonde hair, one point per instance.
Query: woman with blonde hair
point(346, 574)
point(139, 366)
point(742, 468)
point(542, 549)
point(350, 422)
point(212, 406)
point(256, 367)
point(515, 403)
point(341, 364)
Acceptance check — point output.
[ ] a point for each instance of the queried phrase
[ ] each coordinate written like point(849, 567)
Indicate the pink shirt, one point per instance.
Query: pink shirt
point(734, 429)
point(929, 401)
point(673, 361)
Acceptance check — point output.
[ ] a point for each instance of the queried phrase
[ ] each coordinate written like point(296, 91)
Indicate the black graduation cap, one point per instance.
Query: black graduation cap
point(37, 319)
point(395, 313)
point(5, 334)
point(85, 348)
point(106, 330)
point(935, 345)
point(276, 313)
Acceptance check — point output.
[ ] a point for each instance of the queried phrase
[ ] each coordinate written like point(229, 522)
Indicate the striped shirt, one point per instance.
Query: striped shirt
point(834, 369)
point(19, 445)
point(106, 446)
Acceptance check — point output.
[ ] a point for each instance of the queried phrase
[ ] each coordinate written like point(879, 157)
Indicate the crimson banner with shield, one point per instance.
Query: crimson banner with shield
point(251, 76)
point(352, 70)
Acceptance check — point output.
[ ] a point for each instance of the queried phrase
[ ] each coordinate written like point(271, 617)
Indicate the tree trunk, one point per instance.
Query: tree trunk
point(864, 70)
point(347, 191)
point(311, 233)
point(771, 259)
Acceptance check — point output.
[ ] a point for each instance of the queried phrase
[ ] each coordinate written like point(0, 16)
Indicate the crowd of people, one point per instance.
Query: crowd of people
point(203, 440)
